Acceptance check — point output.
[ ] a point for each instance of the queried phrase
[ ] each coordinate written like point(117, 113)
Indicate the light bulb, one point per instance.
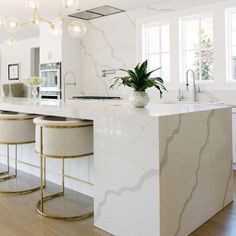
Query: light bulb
point(56, 28)
point(11, 40)
point(35, 20)
point(32, 4)
point(77, 29)
point(70, 4)
point(12, 25)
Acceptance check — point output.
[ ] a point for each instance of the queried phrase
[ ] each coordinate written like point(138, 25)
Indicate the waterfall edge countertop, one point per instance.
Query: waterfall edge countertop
point(89, 109)
point(159, 171)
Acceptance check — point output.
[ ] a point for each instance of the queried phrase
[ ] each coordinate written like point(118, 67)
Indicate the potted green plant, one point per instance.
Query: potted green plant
point(140, 79)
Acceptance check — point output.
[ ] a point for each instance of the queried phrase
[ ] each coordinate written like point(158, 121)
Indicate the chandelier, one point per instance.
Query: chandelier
point(76, 28)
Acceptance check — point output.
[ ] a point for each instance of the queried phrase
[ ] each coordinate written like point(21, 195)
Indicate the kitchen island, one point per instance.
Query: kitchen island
point(159, 171)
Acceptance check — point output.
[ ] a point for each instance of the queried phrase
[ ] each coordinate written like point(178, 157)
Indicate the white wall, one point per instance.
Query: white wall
point(18, 53)
point(114, 42)
point(220, 88)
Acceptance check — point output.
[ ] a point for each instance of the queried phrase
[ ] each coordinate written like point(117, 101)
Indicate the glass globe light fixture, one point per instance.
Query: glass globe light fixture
point(35, 20)
point(32, 4)
point(12, 25)
point(56, 28)
point(77, 29)
point(70, 4)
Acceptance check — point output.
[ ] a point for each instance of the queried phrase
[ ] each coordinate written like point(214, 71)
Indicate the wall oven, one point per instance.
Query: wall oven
point(52, 86)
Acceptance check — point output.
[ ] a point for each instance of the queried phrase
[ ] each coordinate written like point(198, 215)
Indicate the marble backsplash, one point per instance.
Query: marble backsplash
point(111, 43)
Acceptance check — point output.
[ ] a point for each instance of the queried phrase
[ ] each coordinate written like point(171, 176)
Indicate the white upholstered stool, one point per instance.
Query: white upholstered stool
point(61, 139)
point(16, 129)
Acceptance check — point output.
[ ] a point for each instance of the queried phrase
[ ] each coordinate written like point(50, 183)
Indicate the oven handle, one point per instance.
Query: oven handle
point(50, 70)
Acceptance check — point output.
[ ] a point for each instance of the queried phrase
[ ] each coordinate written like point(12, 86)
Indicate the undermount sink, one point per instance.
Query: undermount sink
point(96, 97)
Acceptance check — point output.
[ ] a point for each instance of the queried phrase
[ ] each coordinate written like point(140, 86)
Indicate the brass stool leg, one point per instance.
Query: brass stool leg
point(40, 204)
point(8, 177)
point(42, 181)
point(6, 172)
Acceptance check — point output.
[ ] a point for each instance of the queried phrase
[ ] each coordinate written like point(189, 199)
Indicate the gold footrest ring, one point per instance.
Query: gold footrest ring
point(8, 177)
point(57, 217)
point(4, 173)
point(20, 192)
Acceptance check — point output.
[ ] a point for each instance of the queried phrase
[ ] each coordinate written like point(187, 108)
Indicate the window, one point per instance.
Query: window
point(231, 41)
point(156, 49)
point(197, 46)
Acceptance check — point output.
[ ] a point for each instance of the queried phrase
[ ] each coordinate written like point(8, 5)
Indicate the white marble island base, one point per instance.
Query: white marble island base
point(160, 171)
point(162, 176)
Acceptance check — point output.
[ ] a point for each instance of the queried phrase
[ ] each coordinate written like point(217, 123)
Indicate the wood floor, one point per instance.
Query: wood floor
point(224, 223)
point(19, 218)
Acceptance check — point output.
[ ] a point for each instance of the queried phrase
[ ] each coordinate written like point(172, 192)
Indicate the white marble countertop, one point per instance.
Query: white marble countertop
point(89, 109)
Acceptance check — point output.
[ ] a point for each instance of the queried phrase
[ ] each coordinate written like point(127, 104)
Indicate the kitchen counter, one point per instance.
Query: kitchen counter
point(159, 171)
point(89, 109)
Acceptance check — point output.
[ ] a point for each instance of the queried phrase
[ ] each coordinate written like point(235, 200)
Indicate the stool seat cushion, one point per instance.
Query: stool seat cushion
point(63, 137)
point(16, 128)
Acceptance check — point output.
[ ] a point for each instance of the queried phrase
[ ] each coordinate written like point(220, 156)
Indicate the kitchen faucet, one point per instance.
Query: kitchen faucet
point(195, 90)
point(64, 83)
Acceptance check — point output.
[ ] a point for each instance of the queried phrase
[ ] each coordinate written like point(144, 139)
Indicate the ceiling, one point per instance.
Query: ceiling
point(49, 9)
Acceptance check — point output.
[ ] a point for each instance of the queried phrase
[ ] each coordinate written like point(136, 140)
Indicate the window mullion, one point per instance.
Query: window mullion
point(200, 49)
point(160, 35)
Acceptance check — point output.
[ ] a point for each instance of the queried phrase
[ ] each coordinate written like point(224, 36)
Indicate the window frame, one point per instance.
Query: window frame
point(183, 50)
point(229, 45)
point(145, 46)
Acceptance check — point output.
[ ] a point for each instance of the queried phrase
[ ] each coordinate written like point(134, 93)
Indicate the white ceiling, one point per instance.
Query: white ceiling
point(50, 8)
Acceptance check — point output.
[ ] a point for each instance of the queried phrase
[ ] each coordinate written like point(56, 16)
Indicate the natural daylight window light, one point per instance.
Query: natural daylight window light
point(197, 46)
point(156, 48)
point(231, 44)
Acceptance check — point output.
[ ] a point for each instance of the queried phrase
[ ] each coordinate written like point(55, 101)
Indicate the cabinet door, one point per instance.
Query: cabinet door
point(234, 137)
point(44, 45)
point(56, 49)
point(50, 46)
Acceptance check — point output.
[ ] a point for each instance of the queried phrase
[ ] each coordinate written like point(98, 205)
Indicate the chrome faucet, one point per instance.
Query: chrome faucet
point(195, 90)
point(64, 83)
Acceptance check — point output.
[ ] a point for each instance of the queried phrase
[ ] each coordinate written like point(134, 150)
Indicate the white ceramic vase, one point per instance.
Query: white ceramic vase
point(139, 99)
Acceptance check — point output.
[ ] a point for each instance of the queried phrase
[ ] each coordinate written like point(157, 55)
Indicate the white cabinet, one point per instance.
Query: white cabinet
point(50, 46)
point(64, 49)
point(234, 135)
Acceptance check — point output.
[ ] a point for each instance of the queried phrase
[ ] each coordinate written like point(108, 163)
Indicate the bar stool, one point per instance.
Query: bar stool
point(60, 138)
point(15, 129)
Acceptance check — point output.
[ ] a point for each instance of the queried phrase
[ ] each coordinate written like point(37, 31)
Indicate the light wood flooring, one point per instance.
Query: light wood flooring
point(19, 218)
point(224, 223)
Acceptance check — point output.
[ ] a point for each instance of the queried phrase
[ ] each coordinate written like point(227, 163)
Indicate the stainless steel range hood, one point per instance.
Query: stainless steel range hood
point(97, 12)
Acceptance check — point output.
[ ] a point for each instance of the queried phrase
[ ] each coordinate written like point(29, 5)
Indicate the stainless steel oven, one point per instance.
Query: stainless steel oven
point(51, 89)
point(52, 74)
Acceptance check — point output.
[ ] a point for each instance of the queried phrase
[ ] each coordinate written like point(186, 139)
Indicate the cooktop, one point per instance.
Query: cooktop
point(96, 97)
